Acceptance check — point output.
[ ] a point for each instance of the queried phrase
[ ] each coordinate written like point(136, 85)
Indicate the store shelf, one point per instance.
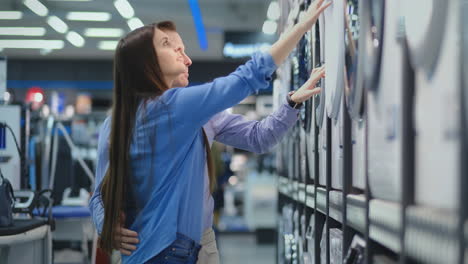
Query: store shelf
point(431, 235)
point(322, 200)
point(336, 205)
point(356, 212)
point(385, 223)
point(301, 194)
point(310, 199)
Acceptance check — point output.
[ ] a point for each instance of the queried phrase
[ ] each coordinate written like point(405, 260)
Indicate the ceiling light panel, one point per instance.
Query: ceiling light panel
point(107, 44)
point(89, 16)
point(134, 23)
point(37, 7)
point(103, 32)
point(31, 44)
point(75, 39)
point(22, 31)
point(124, 8)
point(57, 24)
point(11, 15)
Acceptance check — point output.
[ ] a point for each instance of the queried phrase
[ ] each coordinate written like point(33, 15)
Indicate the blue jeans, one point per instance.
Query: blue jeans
point(182, 251)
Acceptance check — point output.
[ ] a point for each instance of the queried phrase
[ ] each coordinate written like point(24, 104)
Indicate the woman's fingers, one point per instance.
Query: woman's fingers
point(128, 232)
point(127, 246)
point(125, 252)
point(322, 8)
point(131, 240)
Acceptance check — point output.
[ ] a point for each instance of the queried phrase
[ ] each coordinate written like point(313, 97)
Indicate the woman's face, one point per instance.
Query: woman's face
point(170, 57)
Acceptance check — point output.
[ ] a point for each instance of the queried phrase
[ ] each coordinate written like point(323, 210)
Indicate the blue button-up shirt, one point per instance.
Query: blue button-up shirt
point(167, 154)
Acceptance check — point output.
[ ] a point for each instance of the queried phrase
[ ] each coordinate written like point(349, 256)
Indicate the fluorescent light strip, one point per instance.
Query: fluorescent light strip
point(22, 31)
point(89, 16)
point(69, 0)
point(107, 44)
point(37, 7)
point(57, 24)
point(269, 27)
point(197, 20)
point(134, 23)
point(124, 8)
point(31, 44)
point(75, 39)
point(11, 15)
point(103, 32)
point(273, 12)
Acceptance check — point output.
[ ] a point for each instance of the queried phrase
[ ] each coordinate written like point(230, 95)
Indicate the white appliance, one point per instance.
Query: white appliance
point(334, 83)
point(355, 52)
point(309, 256)
point(337, 155)
point(385, 112)
point(311, 131)
point(321, 116)
point(10, 161)
point(433, 33)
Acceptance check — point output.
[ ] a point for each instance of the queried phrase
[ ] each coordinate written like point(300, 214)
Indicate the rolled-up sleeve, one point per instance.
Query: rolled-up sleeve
point(254, 136)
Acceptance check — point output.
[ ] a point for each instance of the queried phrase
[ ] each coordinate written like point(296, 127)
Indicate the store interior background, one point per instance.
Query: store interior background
point(392, 190)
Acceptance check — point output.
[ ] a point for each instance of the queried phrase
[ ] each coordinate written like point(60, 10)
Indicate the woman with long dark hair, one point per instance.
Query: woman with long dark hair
point(157, 144)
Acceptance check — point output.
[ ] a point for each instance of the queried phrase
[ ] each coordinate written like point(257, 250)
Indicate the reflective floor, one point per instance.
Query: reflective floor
point(233, 248)
point(237, 248)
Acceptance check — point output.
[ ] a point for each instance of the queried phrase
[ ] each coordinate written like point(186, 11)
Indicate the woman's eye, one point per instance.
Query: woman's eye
point(166, 43)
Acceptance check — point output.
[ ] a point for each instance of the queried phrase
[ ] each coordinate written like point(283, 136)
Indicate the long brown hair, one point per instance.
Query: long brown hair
point(137, 77)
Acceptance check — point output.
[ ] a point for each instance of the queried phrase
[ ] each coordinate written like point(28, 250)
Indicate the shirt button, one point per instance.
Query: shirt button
point(173, 249)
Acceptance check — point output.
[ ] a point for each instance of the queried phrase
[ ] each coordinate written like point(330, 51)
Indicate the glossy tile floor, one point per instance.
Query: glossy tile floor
point(233, 248)
point(242, 248)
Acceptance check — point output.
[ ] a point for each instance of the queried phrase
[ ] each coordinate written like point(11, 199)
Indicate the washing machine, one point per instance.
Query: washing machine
point(297, 248)
point(304, 69)
point(433, 34)
point(334, 83)
point(320, 112)
point(386, 112)
point(354, 88)
point(312, 50)
point(309, 256)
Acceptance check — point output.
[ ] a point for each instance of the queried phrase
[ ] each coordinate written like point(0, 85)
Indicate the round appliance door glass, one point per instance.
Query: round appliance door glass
point(353, 84)
point(319, 52)
point(334, 56)
point(425, 22)
point(372, 18)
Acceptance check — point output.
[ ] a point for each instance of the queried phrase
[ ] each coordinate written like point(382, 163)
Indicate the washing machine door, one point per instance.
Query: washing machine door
point(373, 17)
point(334, 56)
point(320, 98)
point(354, 63)
point(425, 22)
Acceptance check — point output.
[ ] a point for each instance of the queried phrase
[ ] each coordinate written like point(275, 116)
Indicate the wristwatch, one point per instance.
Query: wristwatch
point(291, 102)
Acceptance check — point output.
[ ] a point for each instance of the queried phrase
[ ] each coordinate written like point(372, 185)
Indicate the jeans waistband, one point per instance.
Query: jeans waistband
point(186, 242)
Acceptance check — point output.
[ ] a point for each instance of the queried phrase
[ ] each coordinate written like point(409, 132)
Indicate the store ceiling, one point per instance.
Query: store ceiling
point(217, 15)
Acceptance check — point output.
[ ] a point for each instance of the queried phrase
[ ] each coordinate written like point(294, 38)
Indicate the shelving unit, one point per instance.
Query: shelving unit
point(397, 230)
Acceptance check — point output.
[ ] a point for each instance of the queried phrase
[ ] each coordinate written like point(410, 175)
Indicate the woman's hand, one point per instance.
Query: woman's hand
point(313, 12)
point(125, 240)
point(308, 89)
point(288, 41)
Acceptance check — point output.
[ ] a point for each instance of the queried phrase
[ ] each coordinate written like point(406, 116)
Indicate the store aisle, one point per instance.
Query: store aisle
point(242, 248)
